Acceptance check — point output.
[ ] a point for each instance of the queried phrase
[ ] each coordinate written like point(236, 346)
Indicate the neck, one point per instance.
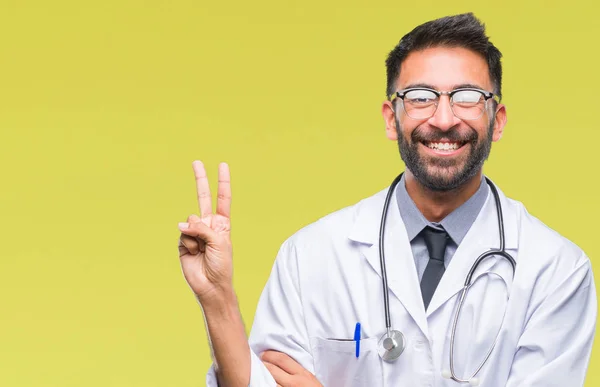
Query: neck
point(435, 205)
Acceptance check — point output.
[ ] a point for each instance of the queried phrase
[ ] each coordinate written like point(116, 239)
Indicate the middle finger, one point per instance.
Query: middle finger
point(282, 361)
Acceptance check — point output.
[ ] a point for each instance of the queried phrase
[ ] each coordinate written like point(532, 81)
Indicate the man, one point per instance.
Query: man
point(444, 110)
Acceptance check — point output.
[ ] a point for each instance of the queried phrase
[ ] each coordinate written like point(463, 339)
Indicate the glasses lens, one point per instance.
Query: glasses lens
point(420, 104)
point(468, 104)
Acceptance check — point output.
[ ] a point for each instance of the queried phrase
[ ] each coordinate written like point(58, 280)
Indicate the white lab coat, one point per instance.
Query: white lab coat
point(326, 278)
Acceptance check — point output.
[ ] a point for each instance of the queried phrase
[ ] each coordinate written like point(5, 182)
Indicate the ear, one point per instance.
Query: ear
point(499, 122)
point(389, 116)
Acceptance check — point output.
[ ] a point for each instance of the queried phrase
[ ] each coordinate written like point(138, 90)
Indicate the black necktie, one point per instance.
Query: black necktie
point(436, 245)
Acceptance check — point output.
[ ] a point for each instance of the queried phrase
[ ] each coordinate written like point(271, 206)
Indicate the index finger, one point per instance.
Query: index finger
point(202, 188)
point(224, 191)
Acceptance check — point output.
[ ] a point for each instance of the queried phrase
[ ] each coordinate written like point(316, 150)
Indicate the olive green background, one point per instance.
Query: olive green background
point(104, 105)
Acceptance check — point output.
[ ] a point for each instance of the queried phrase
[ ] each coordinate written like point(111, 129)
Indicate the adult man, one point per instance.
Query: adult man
point(443, 109)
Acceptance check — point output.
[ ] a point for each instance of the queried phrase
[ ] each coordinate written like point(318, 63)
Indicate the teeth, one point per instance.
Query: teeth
point(443, 145)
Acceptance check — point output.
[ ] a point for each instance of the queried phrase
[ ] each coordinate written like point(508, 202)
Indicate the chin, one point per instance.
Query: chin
point(444, 179)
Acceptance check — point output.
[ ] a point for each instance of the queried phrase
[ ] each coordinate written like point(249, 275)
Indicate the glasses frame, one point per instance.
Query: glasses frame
point(486, 95)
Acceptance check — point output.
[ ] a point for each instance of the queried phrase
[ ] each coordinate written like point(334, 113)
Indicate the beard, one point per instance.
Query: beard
point(451, 172)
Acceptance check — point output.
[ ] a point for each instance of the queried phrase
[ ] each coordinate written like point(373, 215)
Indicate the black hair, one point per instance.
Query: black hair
point(463, 30)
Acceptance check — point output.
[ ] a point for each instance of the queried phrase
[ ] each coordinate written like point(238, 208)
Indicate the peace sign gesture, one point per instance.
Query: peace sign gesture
point(205, 248)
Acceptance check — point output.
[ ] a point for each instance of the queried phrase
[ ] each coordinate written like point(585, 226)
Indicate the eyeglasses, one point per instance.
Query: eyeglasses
point(466, 103)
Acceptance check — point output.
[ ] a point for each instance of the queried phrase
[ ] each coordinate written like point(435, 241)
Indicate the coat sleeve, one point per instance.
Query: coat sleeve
point(278, 322)
point(555, 346)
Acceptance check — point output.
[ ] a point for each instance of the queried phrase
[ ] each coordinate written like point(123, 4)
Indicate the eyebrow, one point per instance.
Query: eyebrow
point(459, 86)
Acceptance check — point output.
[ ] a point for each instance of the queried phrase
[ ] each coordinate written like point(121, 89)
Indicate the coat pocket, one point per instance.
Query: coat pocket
point(336, 364)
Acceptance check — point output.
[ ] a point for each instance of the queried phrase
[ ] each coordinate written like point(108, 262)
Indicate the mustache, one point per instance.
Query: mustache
point(452, 135)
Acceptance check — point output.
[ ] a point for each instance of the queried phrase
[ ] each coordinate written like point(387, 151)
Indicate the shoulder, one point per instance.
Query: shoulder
point(335, 228)
point(535, 234)
point(546, 259)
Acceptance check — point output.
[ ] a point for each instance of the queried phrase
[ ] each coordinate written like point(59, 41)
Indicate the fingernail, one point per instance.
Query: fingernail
point(184, 226)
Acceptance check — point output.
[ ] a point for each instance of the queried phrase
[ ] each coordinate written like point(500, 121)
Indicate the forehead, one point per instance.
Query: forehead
point(444, 68)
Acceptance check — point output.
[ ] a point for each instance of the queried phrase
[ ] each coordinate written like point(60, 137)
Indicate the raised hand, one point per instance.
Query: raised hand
point(205, 250)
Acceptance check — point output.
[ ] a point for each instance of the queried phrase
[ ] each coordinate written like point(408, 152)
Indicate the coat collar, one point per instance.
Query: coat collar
point(402, 276)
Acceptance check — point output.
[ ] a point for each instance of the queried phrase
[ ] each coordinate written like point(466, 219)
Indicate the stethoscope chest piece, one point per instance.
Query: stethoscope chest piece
point(391, 345)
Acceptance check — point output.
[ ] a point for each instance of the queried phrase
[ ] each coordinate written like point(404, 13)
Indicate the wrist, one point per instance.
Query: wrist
point(220, 298)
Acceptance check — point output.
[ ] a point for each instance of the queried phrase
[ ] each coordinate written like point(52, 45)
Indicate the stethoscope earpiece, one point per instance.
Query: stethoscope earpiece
point(446, 374)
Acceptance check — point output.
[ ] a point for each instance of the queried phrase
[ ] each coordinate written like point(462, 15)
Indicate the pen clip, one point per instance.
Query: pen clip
point(357, 338)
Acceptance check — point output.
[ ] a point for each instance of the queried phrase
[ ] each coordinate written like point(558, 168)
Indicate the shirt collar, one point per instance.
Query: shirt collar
point(456, 224)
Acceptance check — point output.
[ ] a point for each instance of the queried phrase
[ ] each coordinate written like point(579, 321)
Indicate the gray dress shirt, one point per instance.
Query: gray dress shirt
point(456, 224)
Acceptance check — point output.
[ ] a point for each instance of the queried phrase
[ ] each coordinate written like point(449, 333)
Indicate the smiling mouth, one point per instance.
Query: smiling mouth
point(444, 146)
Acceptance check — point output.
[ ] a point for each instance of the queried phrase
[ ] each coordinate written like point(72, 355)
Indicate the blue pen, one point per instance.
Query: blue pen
point(357, 338)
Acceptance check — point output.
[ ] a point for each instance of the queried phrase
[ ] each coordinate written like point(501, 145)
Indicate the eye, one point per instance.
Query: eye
point(467, 97)
point(420, 97)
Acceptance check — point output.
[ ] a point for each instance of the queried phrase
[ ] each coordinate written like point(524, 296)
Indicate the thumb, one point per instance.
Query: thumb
point(198, 229)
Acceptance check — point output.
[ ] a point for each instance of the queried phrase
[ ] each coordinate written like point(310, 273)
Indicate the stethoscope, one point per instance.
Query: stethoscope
point(392, 343)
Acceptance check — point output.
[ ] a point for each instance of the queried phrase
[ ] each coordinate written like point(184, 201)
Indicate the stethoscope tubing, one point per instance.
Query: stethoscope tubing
point(386, 299)
point(501, 251)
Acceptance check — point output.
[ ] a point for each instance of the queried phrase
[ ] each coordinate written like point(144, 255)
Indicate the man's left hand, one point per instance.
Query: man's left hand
point(287, 372)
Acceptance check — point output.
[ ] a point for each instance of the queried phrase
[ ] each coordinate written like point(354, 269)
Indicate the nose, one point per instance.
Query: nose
point(443, 118)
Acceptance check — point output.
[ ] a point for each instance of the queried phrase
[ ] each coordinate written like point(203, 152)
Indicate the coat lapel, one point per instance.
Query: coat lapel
point(481, 237)
point(402, 276)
